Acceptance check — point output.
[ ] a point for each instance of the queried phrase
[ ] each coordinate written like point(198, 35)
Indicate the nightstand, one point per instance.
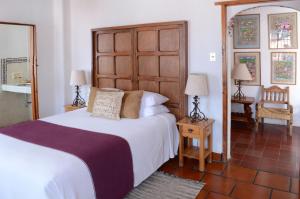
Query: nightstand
point(201, 131)
point(72, 108)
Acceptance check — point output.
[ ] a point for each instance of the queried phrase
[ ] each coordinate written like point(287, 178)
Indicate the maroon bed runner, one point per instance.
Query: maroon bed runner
point(107, 156)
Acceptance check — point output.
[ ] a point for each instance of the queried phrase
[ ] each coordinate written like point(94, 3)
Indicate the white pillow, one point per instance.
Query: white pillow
point(152, 99)
point(153, 110)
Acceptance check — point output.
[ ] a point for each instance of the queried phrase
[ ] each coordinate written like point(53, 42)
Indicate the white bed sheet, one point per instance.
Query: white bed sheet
point(30, 171)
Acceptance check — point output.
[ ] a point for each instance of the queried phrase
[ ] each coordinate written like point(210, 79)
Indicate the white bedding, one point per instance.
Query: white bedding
point(29, 171)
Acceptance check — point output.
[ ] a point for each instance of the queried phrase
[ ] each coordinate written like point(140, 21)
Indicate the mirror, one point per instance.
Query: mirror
point(18, 90)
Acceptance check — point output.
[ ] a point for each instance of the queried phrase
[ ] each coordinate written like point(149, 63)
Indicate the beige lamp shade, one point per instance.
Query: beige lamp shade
point(241, 72)
point(77, 78)
point(197, 85)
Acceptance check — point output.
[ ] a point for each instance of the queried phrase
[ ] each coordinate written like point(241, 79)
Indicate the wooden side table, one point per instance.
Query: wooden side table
point(201, 131)
point(69, 108)
point(247, 115)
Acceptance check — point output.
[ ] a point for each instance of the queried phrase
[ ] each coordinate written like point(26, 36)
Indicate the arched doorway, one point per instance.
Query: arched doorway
point(228, 10)
point(244, 141)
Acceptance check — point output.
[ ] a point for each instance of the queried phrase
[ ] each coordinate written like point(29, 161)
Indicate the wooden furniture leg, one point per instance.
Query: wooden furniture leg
point(210, 140)
point(256, 118)
point(262, 122)
point(201, 155)
point(290, 126)
point(248, 113)
point(189, 142)
point(181, 148)
point(256, 124)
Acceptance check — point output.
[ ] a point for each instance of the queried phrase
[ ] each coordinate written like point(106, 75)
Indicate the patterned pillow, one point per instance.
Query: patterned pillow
point(93, 91)
point(108, 105)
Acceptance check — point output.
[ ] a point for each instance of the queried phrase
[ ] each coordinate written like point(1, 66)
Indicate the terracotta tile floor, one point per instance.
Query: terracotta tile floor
point(263, 165)
point(271, 146)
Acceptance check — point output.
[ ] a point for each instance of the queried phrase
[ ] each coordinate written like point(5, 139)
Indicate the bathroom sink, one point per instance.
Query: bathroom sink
point(24, 84)
point(19, 88)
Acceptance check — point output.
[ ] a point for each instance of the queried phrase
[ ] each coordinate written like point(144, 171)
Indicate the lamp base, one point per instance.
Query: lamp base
point(78, 101)
point(239, 93)
point(196, 115)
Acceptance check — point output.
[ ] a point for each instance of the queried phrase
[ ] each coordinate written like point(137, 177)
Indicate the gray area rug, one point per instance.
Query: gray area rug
point(165, 186)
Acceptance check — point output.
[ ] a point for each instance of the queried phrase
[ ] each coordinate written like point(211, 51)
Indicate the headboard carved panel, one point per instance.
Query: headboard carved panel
point(151, 57)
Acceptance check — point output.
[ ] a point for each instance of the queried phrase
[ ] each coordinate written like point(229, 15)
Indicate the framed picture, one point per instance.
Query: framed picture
point(252, 60)
point(283, 68)
point(246, 32)
point(283, 31)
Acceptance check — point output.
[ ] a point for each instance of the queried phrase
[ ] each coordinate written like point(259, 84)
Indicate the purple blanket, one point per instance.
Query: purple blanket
point(108, 157)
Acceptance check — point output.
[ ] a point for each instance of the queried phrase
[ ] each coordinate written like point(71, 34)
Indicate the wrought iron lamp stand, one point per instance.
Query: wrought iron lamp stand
point(239, 93)
point(196, 115)
point(78, 101)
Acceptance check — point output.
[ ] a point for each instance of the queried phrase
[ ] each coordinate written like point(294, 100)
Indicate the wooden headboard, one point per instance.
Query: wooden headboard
point(150, 57)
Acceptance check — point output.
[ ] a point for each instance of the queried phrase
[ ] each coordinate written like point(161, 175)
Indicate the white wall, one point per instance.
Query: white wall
point(204, 20)
point(254, 91)
point(64, 40)
point(204, 37)
point(41, 13)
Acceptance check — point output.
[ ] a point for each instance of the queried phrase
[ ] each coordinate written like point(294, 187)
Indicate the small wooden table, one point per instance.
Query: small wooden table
point(247, 115)
point(201, 131)
point(69, 107)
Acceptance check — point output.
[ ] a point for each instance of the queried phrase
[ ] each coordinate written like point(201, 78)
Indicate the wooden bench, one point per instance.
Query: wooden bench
point(276, 96)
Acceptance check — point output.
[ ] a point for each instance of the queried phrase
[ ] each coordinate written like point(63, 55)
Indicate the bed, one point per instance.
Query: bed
point(153, 140)
point(150, 57)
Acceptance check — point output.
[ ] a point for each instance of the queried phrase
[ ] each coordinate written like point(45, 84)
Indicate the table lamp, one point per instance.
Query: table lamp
point(78, 79)
point(197, 86)
point(240, 73)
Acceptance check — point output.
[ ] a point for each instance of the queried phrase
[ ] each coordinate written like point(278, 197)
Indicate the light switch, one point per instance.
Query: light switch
point(212, 57)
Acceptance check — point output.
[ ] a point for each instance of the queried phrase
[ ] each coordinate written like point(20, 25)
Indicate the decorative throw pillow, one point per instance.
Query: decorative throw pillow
point(93, 91)
point(108, 105)
point(131, 104)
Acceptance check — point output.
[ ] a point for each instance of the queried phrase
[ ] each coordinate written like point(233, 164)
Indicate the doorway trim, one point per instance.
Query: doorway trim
point(224, 8)
point(33, 63)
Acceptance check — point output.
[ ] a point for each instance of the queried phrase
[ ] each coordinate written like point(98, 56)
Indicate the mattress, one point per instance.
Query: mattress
point(32, 171)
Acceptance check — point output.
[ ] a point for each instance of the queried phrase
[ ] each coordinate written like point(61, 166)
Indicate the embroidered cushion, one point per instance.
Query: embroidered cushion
point(93, 91)
point(108, 105)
